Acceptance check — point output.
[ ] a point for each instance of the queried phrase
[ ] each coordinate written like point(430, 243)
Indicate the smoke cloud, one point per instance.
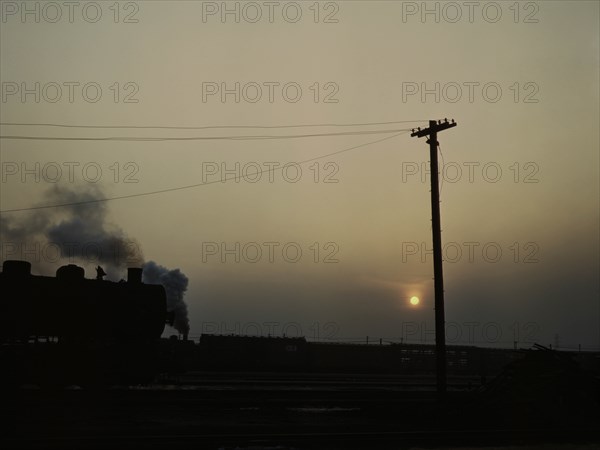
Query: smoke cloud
point(78, 232)
point(175, 283)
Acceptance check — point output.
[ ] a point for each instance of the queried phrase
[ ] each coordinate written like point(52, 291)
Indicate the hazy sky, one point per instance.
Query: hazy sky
point(521, 168)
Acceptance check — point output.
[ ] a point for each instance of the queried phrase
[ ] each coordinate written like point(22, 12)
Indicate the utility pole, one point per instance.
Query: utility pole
point(438, 276)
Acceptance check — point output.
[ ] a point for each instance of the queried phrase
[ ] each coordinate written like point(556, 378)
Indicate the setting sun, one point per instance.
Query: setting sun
point(414, 301)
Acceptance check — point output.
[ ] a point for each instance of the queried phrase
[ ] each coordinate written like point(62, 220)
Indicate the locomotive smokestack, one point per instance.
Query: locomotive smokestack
point(134, 275)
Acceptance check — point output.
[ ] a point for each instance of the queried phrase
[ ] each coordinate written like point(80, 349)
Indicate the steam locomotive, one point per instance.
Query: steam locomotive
point(74, 330)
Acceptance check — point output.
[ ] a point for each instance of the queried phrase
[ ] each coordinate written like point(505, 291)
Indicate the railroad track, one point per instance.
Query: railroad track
point(266, 411)
point(371, 440)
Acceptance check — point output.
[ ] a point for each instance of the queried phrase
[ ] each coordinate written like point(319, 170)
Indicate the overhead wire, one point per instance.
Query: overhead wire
point(442, 171)
point(196, 185)
point(195, 138)
point(208, 127)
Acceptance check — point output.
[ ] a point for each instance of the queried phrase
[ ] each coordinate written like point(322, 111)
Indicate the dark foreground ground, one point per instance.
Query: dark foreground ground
point(298, 411)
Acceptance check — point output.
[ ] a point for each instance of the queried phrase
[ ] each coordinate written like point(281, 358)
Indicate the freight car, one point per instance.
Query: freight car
point(74, 330)
point(234, 352)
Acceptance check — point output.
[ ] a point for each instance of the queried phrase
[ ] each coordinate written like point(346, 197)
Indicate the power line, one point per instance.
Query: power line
point(191, 186)
point(443, 165)
point(194, 138)
point(165, 127)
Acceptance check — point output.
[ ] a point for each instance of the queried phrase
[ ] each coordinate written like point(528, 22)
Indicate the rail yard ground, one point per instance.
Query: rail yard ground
point(276, 410)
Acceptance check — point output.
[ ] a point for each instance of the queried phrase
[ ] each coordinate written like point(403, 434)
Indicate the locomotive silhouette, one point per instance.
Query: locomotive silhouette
point(72, 330)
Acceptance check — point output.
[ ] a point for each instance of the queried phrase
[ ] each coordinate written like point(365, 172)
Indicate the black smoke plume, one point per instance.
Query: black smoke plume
point(175, 283)
point(79, 232)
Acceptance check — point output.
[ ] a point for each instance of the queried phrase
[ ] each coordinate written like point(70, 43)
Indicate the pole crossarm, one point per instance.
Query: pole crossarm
point(440, 126)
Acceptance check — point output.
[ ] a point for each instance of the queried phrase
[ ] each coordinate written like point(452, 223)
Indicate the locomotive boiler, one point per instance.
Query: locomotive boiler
point(75, 328)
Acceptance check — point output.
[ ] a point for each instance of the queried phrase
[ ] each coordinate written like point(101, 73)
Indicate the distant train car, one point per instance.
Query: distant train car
point(233, 352)
point(92, 327)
